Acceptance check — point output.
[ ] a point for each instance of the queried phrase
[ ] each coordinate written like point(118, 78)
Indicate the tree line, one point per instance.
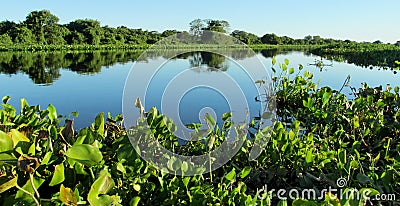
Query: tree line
point(42, 27)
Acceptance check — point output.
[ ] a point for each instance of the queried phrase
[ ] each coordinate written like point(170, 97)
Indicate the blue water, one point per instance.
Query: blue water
point(90, 94)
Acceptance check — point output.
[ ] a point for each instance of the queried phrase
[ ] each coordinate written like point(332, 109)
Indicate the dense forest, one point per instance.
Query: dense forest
point(43, 28)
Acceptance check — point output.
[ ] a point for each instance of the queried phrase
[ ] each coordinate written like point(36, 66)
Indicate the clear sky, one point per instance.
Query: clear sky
point(359, 20)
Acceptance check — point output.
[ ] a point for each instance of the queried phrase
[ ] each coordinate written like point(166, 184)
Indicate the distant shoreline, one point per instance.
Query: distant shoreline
point(111, 47)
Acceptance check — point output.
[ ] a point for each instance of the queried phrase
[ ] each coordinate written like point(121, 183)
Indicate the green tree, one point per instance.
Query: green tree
point(90, 29)
point(7, 26)
point(22, 35)
point(36, 21)
point(55, 34)
point(197, 26)
point(167, 33)
point(5, 39)
point(245, 37)
point(271, 39)
point(217, 25)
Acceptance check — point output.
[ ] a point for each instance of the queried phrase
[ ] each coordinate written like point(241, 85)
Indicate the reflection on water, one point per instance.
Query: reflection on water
point(92, 82)
point(44, 67)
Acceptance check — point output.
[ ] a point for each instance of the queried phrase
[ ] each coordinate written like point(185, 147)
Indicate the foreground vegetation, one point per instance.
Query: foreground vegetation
point(320, 135)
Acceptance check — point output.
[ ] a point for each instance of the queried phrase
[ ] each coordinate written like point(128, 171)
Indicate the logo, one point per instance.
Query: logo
point(173, 74)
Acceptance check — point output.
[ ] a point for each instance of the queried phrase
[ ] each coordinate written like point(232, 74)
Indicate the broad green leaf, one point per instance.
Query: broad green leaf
point(8, 159)
point(17, 137)
point(58, 176)
point(325, 98)
point(245, 171)
point(85, 154)
point(291, 70)
point(99, 124)
point(67, 196)
point(52, 113)
point(309, 156)
point(8, 185)
point(99, 189)
point(46, 158)
point(231, 175)
point(6, 143)
point(134, 201)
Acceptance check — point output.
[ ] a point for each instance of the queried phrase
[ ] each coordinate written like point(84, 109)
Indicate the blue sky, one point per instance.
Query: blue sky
point(366, 20)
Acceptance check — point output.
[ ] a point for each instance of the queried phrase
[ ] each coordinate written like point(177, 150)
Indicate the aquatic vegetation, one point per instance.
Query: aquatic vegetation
point(319, 137)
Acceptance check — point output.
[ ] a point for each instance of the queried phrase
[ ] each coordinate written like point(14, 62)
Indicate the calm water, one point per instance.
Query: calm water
point(94, 82)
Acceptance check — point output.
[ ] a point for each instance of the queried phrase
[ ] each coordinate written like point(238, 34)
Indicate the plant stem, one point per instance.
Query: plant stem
point(33, 186)
point(30, 194)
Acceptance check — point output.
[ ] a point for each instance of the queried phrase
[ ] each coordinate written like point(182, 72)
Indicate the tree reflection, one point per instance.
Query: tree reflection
point(44, 68)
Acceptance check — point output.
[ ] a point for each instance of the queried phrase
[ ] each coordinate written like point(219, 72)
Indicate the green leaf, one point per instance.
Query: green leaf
point(46, 158)
point(5, 99)
point(245, 171)
point(67, 196)
point(75, 114)
point(134, 201)
point(8, 159)
point(286, 61)
point(99, 124)
point(17, 137)
point(369, 192)
point(356, 122)
point(24, 104)
point(210, 120)
point(284, 67)
point(99, 189)
point(58, 176)
point(136, 187)
point(273, 60)
point(325, 98)
point(231, 175)
point(85, 154)
point(282, 203)
point(6, 143)
point(52, 113)
point(309, 156)
point(8, 185)
point(291, 70)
